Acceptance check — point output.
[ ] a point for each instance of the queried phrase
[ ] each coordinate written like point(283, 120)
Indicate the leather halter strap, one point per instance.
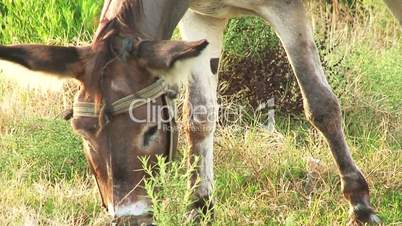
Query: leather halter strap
point(133, 101)
point(125, 104)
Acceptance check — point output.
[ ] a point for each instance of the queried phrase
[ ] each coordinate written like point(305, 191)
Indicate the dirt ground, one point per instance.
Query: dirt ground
point(255, 81)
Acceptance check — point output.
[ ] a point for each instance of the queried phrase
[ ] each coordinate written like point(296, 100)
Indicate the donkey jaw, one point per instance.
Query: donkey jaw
point(139, 208)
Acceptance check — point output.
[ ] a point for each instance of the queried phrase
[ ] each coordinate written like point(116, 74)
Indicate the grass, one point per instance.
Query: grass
point(46, 147)
point(249, 36)
point(57, 22)
point(44, 176)
point(262, 178)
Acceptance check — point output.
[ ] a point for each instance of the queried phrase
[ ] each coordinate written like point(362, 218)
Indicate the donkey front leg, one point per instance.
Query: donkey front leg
point(201, 98)
point(321, 106)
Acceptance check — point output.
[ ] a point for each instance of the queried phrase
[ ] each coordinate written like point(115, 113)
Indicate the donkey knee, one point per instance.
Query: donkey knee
point(324, 113)
point(201, 124)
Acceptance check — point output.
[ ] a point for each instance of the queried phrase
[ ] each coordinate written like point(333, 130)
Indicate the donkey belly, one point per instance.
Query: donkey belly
point(218, 8)
point(215, 8)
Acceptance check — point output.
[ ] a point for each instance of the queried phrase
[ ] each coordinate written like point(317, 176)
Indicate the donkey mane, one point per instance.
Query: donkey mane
point(121, 23)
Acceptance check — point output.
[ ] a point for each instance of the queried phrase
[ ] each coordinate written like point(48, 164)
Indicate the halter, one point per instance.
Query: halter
point(128, 103)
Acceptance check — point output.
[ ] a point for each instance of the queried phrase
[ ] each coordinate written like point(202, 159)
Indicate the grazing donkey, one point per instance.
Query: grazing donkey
point(119, 76)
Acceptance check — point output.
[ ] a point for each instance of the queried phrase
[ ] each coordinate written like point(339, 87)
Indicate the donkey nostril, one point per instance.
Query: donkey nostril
point(149, 135)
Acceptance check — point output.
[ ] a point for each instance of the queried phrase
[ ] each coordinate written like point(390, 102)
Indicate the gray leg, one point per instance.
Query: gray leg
point(321, 106)
point(396, 8)
point(201, 95)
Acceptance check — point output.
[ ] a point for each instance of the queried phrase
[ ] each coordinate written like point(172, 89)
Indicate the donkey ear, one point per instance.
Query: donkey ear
point(66, 62)
point(173, 60)
point(160, 55)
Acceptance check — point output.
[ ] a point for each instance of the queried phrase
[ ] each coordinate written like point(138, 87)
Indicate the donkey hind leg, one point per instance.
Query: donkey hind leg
point(395, 6)
point(201, 97)
point(321, 106)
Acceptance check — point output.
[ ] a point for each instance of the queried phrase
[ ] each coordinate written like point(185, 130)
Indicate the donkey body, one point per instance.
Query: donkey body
point(113, 143)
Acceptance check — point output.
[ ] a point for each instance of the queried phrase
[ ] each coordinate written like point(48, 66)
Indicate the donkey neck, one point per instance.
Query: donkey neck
point(160, 17)
point(148, 19)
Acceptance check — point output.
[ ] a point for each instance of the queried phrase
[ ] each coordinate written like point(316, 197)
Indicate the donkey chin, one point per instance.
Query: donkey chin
point(141, 208)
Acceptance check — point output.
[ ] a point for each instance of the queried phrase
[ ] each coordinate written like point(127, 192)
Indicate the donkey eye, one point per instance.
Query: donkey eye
point(149, 135)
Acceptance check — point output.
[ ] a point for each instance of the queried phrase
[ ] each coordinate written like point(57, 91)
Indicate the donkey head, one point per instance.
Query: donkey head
point(118, 78)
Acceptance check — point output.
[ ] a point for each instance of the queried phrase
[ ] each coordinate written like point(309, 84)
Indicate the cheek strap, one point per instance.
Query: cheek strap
point(173, 132)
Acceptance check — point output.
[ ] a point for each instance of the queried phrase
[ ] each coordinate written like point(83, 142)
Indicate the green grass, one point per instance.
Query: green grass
point(249, 36)
point(381, 71)
point(53, 21)
point(46, 146)
point(261, 178)
point(44, 176)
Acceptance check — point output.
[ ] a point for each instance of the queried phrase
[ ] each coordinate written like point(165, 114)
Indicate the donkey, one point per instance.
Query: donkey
point(128, 65)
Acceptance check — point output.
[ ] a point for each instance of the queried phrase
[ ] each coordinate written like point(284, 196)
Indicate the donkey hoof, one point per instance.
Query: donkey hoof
point(202, 211)
point(362, 214)
point(206, 205)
